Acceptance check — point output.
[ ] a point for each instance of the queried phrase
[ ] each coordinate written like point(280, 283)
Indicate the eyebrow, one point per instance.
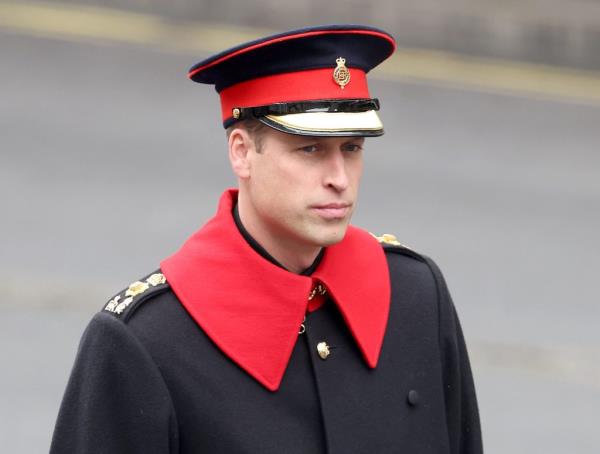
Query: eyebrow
point(355, 139)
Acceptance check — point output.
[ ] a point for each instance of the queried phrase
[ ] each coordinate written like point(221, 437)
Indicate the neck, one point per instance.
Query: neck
point(292, 255)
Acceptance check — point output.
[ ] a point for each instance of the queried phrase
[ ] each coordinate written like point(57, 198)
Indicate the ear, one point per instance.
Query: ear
point(240, 147)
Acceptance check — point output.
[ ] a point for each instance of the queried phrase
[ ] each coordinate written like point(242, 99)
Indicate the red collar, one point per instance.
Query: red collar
point(252, 309)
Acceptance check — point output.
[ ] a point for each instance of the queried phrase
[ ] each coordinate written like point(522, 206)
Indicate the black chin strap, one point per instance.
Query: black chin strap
point(322, 105)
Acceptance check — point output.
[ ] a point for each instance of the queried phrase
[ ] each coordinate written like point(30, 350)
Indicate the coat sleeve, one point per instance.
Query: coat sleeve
point(116, 400)
point(462, 415)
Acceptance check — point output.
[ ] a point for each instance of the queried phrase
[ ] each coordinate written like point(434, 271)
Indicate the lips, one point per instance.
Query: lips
point(337, 210)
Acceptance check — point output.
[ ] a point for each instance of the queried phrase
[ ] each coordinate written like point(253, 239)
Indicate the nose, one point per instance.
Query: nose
point(336, 175)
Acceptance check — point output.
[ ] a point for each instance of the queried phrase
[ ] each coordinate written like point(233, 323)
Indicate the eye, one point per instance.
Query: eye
point(352, 147)
point(309, 148)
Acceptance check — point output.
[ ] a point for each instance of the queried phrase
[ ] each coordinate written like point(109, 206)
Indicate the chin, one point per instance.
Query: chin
point(329, 238)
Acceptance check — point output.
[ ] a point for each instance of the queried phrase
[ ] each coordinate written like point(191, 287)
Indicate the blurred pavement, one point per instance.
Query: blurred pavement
point(558, 32)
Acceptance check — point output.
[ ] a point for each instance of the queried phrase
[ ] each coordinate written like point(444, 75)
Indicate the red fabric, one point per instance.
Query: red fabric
point(286, 38)
point(306, 85)
point(252, 309)
point(316, 303)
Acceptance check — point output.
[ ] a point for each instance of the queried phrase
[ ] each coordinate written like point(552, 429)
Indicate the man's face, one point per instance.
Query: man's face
point(303, 189)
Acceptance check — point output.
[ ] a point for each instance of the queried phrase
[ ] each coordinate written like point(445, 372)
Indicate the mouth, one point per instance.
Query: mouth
point(332, 211)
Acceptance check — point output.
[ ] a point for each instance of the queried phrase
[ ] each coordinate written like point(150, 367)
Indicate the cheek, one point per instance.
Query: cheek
point(271, 176)
point(283, 175)
point(355, 169)
point(274, 186)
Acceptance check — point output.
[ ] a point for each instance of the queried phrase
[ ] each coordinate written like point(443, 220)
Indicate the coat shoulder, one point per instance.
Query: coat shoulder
point(127, 301)
point(391, 245)
point(404, 260)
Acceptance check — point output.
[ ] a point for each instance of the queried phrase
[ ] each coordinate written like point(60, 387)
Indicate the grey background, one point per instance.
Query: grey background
point(110, 158)
point(561, 32)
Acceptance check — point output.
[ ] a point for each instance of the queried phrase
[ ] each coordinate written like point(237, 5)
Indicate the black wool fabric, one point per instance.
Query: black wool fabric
point(153, 382)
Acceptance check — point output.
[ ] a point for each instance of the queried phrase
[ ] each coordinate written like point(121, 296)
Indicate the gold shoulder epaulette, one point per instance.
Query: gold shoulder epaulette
point(135, 292)
point(388, 238)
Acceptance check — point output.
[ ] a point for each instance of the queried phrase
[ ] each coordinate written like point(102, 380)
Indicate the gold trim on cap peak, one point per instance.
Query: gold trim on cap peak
point(330, 121)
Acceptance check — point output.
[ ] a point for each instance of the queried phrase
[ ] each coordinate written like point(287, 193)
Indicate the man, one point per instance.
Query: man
point(279, 328)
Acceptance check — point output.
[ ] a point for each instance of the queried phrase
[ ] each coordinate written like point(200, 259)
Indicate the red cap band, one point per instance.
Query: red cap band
point(308, 85)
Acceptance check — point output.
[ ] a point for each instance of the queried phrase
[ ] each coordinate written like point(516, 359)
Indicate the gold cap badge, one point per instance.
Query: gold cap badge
point(341, 74)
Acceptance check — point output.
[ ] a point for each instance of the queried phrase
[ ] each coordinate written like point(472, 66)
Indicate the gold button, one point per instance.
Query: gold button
point(323, 350)
point(236, 113)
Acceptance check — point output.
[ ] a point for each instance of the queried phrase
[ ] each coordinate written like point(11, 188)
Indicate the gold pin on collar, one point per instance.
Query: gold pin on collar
point(319, 289)
point(341, 74)
point(388, 238)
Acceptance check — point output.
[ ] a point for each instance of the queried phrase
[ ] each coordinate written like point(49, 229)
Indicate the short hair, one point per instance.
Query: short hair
point(255, 129)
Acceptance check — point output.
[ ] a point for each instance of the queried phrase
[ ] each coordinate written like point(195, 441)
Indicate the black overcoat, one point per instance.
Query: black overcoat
point(149, 380)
